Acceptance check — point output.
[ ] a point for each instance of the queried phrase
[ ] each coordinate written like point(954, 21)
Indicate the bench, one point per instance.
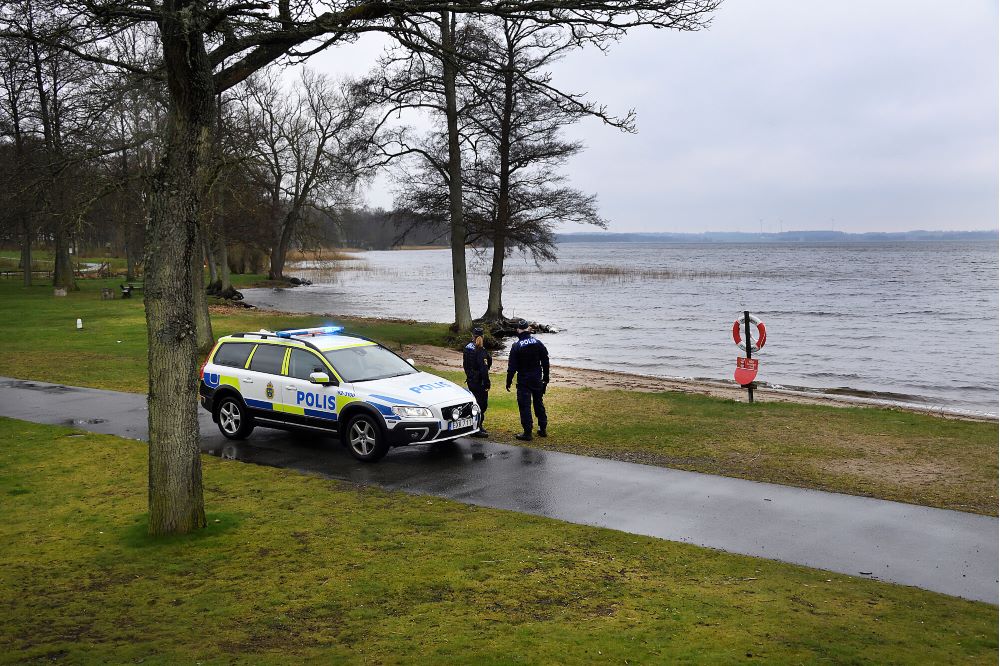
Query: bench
point(128, 289)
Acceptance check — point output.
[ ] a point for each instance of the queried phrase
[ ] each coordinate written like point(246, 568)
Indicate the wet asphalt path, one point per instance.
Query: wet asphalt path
point(945, 551)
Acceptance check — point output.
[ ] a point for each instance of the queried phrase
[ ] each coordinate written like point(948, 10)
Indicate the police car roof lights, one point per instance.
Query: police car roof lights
point(318, 330)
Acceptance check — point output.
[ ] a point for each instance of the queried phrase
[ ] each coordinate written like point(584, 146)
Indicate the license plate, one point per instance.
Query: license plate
point(461, 423)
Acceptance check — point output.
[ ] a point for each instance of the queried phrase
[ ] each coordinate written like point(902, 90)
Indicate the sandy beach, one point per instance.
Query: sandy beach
point(447, 359)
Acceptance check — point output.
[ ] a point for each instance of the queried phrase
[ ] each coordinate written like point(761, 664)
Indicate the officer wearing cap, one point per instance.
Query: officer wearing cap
point(477, 362)
point(529, 360)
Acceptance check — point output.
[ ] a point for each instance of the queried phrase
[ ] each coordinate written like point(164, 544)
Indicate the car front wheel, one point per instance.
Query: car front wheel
point(233, 419)
point(365, 439)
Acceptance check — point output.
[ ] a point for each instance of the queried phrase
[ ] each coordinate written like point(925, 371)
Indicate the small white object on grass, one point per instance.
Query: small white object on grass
point(79, 324)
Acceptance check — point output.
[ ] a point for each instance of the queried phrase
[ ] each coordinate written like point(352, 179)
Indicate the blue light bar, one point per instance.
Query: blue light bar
point(318, 330)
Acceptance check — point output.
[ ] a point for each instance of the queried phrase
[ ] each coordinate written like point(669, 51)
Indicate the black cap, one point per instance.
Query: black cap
point(521, 324)
point(477, 330)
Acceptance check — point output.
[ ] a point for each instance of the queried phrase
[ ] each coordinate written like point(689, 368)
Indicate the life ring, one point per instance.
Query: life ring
point(738, 333)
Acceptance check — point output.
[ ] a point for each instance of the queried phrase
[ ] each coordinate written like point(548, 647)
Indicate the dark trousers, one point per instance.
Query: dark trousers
point(482, 395)
point(528, 392)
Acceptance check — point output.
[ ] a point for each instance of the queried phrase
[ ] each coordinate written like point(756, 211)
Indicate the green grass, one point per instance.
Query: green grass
point(881, 453)
point(295, 569)
point(42, 260)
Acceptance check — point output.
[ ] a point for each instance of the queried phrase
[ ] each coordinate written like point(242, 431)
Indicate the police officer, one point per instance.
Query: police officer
point(477, 363)
point(529, 360)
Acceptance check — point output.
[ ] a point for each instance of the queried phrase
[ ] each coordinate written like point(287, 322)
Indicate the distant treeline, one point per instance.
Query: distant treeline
point(783, 237)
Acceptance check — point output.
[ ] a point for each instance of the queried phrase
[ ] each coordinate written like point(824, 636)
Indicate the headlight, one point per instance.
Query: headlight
point(475, 410)
point(413, 412)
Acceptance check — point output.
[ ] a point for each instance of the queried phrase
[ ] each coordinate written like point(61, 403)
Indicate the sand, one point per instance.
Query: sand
point(447, 359)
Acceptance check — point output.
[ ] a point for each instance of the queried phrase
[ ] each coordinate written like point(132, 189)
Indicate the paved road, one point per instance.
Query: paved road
point(946, 551)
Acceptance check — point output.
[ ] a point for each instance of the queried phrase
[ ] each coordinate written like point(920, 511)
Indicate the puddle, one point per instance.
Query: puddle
point(85, 422)
point(228, 452)
point(44, 388)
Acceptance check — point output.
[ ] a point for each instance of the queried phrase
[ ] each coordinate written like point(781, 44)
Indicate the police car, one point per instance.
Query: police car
point(324, 380)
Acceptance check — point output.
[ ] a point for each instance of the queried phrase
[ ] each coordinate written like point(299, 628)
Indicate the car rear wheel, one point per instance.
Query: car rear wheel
point(365, 439)
point(233, 419)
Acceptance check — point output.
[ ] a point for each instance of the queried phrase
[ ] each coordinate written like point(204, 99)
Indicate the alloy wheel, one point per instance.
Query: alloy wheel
point(362, 437)
point(230, 418)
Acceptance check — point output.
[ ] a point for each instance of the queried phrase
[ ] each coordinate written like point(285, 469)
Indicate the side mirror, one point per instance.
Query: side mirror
point(410, 361)
point(319, 378)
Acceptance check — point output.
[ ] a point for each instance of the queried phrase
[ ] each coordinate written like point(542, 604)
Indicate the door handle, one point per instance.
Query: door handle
point(291, 388)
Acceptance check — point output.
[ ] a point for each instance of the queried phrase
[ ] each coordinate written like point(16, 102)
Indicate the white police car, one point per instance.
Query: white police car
point(320, 379)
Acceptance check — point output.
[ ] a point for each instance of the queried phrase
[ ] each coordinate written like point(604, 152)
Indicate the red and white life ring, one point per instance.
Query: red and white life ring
point(738, 333)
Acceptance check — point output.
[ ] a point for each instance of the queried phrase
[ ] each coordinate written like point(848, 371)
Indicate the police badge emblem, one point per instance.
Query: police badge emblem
point(270, 390)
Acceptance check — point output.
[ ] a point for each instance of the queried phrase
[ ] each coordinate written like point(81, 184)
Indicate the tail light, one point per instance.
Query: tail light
point(201, 370)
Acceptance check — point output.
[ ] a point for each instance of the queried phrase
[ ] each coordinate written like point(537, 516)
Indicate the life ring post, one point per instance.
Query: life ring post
point(746, 332)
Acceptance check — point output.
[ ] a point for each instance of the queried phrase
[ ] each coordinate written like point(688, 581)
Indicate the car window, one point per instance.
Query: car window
point(232, 354)
point(301, 364)
point(362, 364)
point(268, 359)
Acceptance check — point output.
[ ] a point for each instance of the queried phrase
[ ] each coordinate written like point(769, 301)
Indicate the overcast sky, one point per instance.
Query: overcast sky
point(857, 116)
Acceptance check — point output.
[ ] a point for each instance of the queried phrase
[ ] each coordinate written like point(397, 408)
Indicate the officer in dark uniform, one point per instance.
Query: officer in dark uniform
point(529, 360)
point(477, 363)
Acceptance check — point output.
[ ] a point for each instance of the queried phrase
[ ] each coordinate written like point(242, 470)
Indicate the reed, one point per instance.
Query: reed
point(630, 274)
point(323, 254)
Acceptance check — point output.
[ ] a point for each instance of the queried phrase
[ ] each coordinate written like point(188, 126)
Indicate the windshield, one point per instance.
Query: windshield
point(362, 364)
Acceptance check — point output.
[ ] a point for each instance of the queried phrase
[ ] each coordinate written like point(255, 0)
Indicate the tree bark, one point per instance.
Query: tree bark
point(26, 250)
point(176, 500)
point(280, 247)
point(463, 313)
point(494, 307)
point(206, 246)
point(130, 257)
point(203, 321)
point(62, 270)
point(222, 259)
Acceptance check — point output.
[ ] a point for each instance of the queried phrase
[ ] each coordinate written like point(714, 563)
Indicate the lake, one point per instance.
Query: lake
point(909, 323)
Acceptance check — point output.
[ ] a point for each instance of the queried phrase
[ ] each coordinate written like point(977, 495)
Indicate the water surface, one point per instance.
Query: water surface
point(912, 323)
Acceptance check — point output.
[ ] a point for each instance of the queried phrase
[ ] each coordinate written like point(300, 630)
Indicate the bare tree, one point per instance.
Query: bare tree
point(310, 146)
point(424, 73)
point(514, 183)
point(17, 97)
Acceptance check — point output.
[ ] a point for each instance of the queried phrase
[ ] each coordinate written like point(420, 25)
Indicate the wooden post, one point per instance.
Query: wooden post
point(749, 343)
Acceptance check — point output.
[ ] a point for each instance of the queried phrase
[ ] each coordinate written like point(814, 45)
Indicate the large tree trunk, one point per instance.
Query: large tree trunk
point(62, 270)
point(206, 246)
point(463, 314)
point(176, 501)
point(494, 307)
point(221, 253)
point(130, 256)
point(26, 250)
point(279, 250)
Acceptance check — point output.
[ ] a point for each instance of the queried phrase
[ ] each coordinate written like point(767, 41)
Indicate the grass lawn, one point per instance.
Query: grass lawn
point(42, 260)
point(297, 569)
point(876, 452)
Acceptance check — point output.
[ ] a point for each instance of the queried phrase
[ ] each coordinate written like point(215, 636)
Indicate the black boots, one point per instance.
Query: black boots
point(524, 436)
